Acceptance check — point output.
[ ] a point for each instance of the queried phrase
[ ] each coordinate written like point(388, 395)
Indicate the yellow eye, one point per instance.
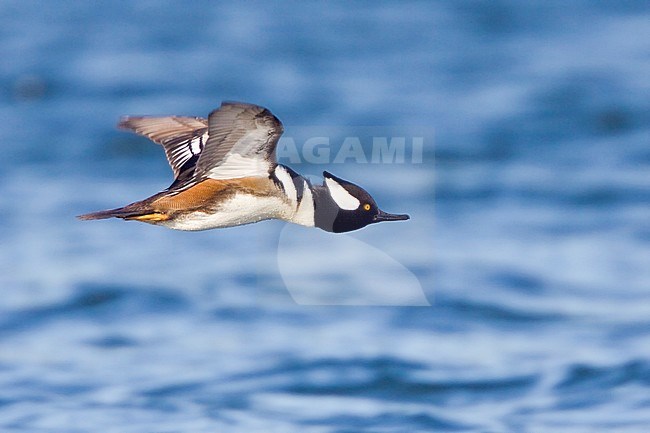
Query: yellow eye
point(366, 206)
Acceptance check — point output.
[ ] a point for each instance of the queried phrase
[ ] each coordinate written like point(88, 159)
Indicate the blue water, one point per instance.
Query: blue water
point(529, 237)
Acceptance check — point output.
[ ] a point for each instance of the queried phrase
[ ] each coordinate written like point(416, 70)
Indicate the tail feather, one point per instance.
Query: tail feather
point(120, 212)
point(139, 211)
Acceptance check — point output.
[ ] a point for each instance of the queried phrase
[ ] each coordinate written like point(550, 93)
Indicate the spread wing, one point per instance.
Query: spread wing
point(183, 138)
point(241, 142)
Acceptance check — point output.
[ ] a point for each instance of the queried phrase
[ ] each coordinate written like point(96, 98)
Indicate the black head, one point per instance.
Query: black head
point(342, 206)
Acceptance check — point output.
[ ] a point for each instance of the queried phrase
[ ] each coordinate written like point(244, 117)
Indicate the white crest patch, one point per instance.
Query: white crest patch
point(341, 196)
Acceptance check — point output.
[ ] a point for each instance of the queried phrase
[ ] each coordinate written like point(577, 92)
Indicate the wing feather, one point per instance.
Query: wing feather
point(241, 142)
point(182, 137)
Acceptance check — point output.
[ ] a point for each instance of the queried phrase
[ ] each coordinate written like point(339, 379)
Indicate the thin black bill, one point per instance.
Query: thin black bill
point(384, 216)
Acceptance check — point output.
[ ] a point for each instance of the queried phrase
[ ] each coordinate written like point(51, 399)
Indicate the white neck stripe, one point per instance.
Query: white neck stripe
point(287, 184)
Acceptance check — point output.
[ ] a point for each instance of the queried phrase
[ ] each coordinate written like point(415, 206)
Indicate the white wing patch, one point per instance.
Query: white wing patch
point(341, 196)
point(196, 144)
point(181, 137)
point(180, 153)
point(236, 166)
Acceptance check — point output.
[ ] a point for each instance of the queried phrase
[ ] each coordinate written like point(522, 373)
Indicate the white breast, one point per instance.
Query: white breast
point(240, 209)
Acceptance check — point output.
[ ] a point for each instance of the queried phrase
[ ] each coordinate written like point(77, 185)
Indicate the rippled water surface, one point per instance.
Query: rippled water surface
point(516, 299)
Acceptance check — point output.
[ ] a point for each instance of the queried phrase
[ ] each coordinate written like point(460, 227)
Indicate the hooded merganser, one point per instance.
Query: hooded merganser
point(226, 174)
